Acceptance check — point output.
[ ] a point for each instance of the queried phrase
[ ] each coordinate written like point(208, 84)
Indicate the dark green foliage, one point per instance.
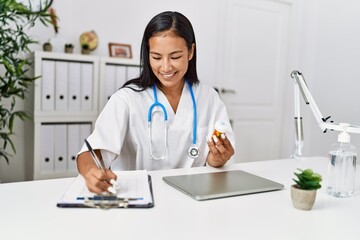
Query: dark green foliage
point(307, 179)
point(15, 20)
point(85, 46)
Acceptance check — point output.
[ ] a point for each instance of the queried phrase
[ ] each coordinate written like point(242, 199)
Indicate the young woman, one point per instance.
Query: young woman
point(163, 119)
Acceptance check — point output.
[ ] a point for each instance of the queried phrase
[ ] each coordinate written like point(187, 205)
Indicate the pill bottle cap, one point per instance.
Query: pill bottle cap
point(221, 126)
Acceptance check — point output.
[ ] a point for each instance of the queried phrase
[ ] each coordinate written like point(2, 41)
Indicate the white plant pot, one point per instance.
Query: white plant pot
point(302, 199)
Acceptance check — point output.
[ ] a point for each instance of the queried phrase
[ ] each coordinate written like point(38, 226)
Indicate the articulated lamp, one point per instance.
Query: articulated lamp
point(324, 124)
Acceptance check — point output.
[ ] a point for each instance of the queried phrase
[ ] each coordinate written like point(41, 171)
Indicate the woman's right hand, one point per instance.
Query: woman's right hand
point(96, 180)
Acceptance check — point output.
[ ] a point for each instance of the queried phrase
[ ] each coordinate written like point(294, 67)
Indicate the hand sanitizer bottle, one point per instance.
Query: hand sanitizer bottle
point(342, 166)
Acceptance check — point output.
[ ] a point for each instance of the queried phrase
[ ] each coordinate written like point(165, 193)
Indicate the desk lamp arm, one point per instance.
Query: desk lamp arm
point(300, 84)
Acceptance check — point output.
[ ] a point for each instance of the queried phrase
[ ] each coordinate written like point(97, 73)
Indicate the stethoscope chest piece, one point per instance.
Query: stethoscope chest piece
point(193, 151)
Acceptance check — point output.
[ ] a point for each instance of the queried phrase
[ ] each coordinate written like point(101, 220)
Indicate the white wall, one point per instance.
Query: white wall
point(330, 61)
point(329, 54)
point(125, 21)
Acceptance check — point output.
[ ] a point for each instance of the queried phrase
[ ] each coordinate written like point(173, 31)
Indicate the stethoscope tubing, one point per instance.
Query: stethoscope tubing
point(195, 112)
point(158, 104)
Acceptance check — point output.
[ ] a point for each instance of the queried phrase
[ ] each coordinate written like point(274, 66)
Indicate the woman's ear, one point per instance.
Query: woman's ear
point(191, 52)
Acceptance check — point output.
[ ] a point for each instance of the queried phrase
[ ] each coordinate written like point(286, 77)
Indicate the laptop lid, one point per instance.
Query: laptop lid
point(206, 186)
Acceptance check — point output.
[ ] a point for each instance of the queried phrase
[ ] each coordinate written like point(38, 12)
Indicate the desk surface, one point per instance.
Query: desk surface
point(28, 211)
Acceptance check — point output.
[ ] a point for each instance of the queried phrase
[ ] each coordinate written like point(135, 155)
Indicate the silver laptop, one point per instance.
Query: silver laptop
point(206, 186)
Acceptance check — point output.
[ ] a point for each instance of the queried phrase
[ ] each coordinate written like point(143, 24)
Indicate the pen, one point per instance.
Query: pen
point(95, 158)
point(110, 198)
point(100, 165)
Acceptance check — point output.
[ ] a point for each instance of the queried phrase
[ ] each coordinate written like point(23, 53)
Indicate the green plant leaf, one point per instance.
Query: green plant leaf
point(15, 20)
point(307, 179)
point(308, 172)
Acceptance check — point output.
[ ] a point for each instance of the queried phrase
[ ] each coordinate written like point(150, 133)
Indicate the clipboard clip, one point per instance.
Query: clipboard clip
point(107, 201)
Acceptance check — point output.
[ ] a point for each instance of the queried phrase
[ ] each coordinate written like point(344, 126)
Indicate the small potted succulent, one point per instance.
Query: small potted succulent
point(47, 47)
point(85, 49)
point(303, 192)
point(69, 48)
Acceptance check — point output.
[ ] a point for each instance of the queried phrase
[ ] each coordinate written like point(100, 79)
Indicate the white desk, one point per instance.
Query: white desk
point(28, 211)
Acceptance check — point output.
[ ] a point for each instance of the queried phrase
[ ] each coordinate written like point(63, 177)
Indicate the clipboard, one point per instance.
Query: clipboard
point(134, 191)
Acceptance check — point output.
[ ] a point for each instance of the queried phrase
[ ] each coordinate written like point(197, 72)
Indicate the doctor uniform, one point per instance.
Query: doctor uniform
point(121, 130)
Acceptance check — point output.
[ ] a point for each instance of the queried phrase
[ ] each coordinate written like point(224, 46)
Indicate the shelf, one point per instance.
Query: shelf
point(118, 61)
point(64, 104)
point(64, 56)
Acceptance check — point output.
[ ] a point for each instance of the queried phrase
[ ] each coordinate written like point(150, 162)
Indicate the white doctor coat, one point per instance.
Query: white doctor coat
point(121, 130)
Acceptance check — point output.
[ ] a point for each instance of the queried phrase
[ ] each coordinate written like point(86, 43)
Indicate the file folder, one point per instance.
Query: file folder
point(60, 147)
point(48, 85)
point(73, 145)
point(61, 86)
point(133, 185)
point(74, 86)
point(47, 148)
point(121, 77)
point(133, 72)
point(85, 131)
point(109, 83)
point(86, 87)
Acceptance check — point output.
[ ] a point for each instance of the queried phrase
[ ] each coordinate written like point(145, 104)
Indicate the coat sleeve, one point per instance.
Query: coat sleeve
point(110, 129)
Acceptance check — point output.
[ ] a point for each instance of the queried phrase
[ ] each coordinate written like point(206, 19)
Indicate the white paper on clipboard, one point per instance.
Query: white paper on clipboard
point(130, 184)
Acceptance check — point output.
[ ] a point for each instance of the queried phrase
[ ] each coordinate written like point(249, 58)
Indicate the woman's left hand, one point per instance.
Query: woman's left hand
point(220, 150)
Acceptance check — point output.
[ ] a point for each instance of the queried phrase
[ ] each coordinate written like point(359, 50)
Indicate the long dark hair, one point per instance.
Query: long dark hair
point(165, 21)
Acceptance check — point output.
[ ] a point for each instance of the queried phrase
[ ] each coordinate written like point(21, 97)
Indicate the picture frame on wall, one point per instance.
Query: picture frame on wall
point(120, 50)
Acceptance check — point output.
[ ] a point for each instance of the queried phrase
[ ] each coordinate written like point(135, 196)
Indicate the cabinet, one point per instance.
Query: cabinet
point(64, 103)
point(114, 72)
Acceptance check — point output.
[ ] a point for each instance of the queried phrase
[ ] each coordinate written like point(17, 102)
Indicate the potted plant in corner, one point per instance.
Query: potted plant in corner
point(47, 47)
point(69, 48)
point(15, 43)
point(303, 193)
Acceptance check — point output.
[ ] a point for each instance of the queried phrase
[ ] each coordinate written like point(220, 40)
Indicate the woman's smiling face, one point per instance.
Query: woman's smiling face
point(169, 58)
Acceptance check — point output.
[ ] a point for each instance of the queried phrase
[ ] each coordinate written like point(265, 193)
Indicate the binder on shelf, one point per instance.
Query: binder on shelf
point(48, 85)
point(74, 86)
point(87, 83)
point(74, 143)
point(133, 72)
point(85, 130)
point(134, 190)
point(60, 147)
point(47, 148)
point(109, 82)
point(61, 86)
point(121, 77)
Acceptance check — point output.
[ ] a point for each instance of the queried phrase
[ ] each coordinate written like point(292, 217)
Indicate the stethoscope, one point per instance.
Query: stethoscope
point(193, 151)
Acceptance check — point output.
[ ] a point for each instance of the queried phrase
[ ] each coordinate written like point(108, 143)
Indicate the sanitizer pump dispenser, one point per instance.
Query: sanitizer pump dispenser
point(342, 166)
